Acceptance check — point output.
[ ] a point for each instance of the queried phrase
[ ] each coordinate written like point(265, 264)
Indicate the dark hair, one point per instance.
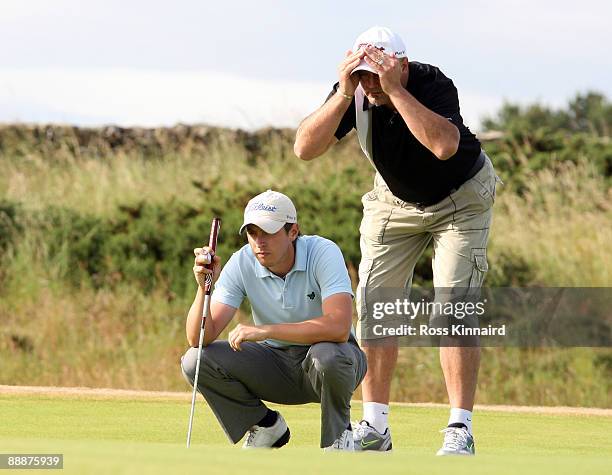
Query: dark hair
point(287, 227)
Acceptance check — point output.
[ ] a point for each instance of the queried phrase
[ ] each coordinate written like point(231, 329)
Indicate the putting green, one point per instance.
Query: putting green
point(109, 435)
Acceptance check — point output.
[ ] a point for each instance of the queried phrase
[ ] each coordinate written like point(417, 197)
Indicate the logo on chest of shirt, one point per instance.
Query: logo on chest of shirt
point(311, 295)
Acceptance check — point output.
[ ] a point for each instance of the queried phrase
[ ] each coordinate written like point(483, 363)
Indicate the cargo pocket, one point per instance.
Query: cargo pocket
point(486, 191)
point(376, 215)
point(480, 267)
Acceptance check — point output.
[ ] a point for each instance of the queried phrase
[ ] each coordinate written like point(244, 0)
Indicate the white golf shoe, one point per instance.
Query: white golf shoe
point(344, 442)
point(367, 437)
point(457, 441)
point(268, 437)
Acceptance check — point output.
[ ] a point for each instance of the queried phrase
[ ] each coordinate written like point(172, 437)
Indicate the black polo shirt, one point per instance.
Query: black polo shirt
point(412, 172)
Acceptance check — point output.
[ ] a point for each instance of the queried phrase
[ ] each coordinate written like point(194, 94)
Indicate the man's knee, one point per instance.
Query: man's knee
point(188, 364)
point(329, 360)
point(211, 361)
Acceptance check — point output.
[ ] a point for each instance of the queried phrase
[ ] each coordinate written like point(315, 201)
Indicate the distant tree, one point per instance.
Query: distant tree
point(590, 113)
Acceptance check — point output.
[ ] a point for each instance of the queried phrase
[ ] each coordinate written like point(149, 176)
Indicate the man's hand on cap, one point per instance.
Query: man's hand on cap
point(388, 68)
point(348, 82)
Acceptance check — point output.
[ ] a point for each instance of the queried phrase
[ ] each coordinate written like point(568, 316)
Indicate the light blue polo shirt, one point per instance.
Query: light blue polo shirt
point(318, 272)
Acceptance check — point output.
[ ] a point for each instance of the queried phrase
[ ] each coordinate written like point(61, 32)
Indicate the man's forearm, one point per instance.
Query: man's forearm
point(194, 321)
point(325, 328)
point(316, 132)
point(435, 132)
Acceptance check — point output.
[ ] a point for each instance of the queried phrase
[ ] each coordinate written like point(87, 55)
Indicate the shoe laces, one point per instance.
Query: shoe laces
point(338, 443)
point(455, 438)
point(361, 428)
point(342, 441)
point(252, 434)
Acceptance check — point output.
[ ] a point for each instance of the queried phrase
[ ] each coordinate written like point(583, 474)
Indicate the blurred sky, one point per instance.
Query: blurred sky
point(251, 64)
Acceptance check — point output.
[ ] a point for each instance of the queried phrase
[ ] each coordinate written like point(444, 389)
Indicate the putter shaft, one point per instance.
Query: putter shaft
point(197, 373)
point(212, 244)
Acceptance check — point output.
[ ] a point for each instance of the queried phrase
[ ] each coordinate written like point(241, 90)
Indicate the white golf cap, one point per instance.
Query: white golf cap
point(270, 211)
point(383, 39)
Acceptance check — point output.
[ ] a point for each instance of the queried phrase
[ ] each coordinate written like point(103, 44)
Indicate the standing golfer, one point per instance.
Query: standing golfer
point(432, 181)
point(299, 349)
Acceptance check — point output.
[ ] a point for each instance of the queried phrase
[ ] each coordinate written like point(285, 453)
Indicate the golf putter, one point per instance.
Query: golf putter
point(212, 244)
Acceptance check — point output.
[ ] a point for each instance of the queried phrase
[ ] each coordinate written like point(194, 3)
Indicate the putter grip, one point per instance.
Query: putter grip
point(212, 244)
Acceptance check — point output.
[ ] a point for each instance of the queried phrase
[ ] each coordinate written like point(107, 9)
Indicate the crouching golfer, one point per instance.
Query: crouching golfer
point(300, 347)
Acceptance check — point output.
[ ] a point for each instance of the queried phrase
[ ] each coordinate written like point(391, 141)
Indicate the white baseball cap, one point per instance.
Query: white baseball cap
point(270, 211)
point(383, 39)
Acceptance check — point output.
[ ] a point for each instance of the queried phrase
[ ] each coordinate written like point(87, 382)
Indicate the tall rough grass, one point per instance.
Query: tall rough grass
point(94, 184)
point(560, 225)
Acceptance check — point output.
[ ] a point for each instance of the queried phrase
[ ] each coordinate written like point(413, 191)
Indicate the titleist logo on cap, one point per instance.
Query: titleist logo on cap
point(261, 207)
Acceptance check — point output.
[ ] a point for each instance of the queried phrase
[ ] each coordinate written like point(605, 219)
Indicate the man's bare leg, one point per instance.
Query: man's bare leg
point(376, 386)
point(460, 367)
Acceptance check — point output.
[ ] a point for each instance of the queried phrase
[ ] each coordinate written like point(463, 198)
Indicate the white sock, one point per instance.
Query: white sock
point(377, 415)
point(461, 416)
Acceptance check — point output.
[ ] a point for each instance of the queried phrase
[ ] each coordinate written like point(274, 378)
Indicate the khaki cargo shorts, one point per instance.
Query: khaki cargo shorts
point(395, 233)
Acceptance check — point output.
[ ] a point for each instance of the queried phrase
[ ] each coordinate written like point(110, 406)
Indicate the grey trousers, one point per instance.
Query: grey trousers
point(234, 383)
